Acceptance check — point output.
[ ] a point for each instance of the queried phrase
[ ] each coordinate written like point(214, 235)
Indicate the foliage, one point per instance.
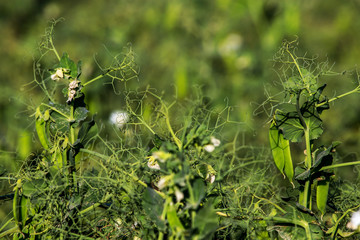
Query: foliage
point(154, 181)
point(298, 120)
point(172, 178)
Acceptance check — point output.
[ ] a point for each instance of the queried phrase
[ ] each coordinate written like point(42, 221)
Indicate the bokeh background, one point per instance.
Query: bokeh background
point(222, 47)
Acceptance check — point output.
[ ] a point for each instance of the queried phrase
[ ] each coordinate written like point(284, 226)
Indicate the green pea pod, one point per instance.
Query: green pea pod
point(24, 209)
point(280, 149)
point(41, 130)
point(16, 208)
point(322, 190)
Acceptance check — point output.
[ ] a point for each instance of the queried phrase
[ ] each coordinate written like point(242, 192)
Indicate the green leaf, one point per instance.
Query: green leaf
point(290, 125)
point(322, 190)
point(280, 149)
point(153, 205)
point(80, 114)
point(67, 63)
point(206, 221)
point(174, 220)
point(304, 175)
point(315, 125)
point(79, 69)
point(87, 132)
point(34, 187)
point(198, 192)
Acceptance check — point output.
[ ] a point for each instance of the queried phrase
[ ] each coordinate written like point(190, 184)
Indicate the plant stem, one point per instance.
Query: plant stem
point(72, 130)
point(53, 48)
point(340, 165)
point(357, 89)
point(8, 222)
point(176, 139)
point(54, 109)
point(95, 205)
point(300, 223)
point(308, 162)
point(103, 75)
point(10, 231)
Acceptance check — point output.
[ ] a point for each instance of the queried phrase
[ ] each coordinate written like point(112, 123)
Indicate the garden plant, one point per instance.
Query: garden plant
point(182, 177)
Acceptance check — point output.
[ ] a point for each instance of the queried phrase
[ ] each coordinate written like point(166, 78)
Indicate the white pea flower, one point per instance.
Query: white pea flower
point(153, 164)
point(209, 148)
point(59, 74)
point(354, 221)
point(118, 223)
point(211, 173)
point(119, 118)
point(72, 94)
point(74, 84)
point(179, 195)
point(210, 177)
point(165, 181)
point(216, 142)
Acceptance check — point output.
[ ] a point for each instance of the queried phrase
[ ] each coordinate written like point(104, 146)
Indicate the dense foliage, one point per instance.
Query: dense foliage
point(175, 160)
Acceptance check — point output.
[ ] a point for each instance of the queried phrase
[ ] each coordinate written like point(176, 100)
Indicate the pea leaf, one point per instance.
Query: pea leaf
point(206, 221)
point(153, 205)
point(173, 219)
point(67, 63)
point(80, 114)
point(290, 125)
point(34, 187)
point(198, 192)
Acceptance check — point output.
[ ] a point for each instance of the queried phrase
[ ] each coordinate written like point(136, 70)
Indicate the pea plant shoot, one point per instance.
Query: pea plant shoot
point(297, 120)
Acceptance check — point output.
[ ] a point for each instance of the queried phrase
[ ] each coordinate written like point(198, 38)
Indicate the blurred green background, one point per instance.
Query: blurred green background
point(224, 47)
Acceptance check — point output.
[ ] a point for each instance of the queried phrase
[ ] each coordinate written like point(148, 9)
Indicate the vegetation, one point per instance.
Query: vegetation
point(182, 164)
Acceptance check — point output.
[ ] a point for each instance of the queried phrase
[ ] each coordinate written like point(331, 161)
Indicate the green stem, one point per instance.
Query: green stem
point(334, 233)
point(10, 231)
point(295, 62)
point(103, 75)
point(308, 160)
point(72, 129)
point(95, 205)
point(340, 165)
point(168, 124)
point(163, 215)
point(54, 49)
point(300, 223)
point(7, 223)
point(308, 163)
point(357, 89)
point(274, 204)
point(54, 109)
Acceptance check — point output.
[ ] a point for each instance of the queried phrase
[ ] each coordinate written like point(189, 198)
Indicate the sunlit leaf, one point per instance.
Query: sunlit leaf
point(67, 63)
point(173, 219)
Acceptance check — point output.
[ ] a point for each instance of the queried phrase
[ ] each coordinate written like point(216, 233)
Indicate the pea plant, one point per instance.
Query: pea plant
point(171, 172)
point(160, 184)
point(298, 120)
